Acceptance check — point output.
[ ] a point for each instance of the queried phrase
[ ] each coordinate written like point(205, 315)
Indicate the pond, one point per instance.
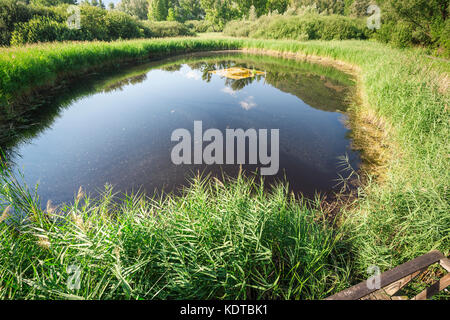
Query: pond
point(115, 128)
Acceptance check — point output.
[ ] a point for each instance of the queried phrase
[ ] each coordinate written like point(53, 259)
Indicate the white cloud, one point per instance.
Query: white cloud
point(229, 91)
point(193, 75)
point(248, 103)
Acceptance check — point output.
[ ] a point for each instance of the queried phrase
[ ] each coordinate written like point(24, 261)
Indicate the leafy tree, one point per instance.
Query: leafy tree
point(326, 6)
point(279, 5)
point(52, 2)
point(171, 15)
point(245, 5)
point(135, 8)
point(358, 8)
point(426, 15)
point(157, 10)
point(219, 12)
point(11, 12)
point(189, 10)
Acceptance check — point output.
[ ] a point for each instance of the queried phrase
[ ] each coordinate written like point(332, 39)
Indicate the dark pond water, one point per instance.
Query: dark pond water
point(115, 128)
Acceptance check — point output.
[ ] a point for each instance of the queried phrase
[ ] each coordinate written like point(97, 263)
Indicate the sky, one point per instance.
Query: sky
point(106, 2)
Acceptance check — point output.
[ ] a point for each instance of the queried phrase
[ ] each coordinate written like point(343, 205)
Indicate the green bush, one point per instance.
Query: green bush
point(121, 25)
point(93, 23)
point(202, 26)
point(29, 24)
point(237, 28)
point(402, 35)
point(42, 29)
point(399, 34)
point(445, 39)
point(161, 29)
point(11, 12)
point(300, 27)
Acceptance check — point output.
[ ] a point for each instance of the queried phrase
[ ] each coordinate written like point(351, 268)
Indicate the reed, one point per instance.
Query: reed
point(216, 241)
point(222, 240)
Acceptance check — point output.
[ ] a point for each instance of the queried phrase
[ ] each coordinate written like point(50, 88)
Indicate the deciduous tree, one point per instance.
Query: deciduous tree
point(157, 10)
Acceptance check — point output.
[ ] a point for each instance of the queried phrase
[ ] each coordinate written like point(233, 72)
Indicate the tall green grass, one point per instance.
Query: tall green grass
point(26, 68)
point(395, 219)
point(230, 240)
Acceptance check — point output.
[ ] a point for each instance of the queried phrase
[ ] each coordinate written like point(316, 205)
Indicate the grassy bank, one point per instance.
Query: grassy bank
point(227, 240)
point(405, 213)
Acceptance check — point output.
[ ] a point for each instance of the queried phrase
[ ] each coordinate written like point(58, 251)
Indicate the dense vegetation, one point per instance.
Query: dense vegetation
point(401, 215)
point(403, 23)
point(229, 241)
point(300, 27)
point(28, 24)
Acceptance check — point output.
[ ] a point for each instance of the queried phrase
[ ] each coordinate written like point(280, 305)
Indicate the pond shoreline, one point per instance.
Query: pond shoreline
point(334, 202)
point(402, 103)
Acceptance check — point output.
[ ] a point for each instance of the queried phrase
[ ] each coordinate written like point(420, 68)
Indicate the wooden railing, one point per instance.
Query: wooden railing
point(395, 279)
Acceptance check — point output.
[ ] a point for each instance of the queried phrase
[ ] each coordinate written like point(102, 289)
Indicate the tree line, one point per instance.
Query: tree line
point(403, 22)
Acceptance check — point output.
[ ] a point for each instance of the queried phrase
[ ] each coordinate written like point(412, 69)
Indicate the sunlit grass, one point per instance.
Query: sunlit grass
point(228, 240)
point(400, 218)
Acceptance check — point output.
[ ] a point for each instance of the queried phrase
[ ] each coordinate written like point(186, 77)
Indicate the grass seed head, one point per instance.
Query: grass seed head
point(80, 194)
point(43, 242)
point(5, 214)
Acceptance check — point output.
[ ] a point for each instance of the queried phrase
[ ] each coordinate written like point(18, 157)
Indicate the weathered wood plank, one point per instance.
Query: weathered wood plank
point(386, 278)
point(387, 293)
point(394, 287)
point(445, 263)
point(377, 295)
point(399, 298)
point(434, 289)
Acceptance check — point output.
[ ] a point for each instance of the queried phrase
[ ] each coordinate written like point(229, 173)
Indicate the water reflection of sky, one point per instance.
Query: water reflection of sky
point(122, 136)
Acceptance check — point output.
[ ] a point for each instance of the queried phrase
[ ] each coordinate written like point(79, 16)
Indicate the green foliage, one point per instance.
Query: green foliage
point(304, 27)
point(189, 10)
point(201, 26)
point(220, 12)
point(279, 5)
point(217, 241)
point(167, 28)
point(358, 8)
point(42, 29)
point(157, 10)
point(93, 23)
point(171, 15)
point(28, 24)
point(11, 12)
point(51, 2)
point(323, 6)
point(404, 22)
point(244, 6)
point(135, 8)
point(424, 20)
point(399, 34)
point(393, 221)
point(121, 26)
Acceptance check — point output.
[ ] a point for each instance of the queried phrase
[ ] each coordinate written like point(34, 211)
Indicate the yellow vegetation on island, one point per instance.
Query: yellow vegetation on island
point(237, 73)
